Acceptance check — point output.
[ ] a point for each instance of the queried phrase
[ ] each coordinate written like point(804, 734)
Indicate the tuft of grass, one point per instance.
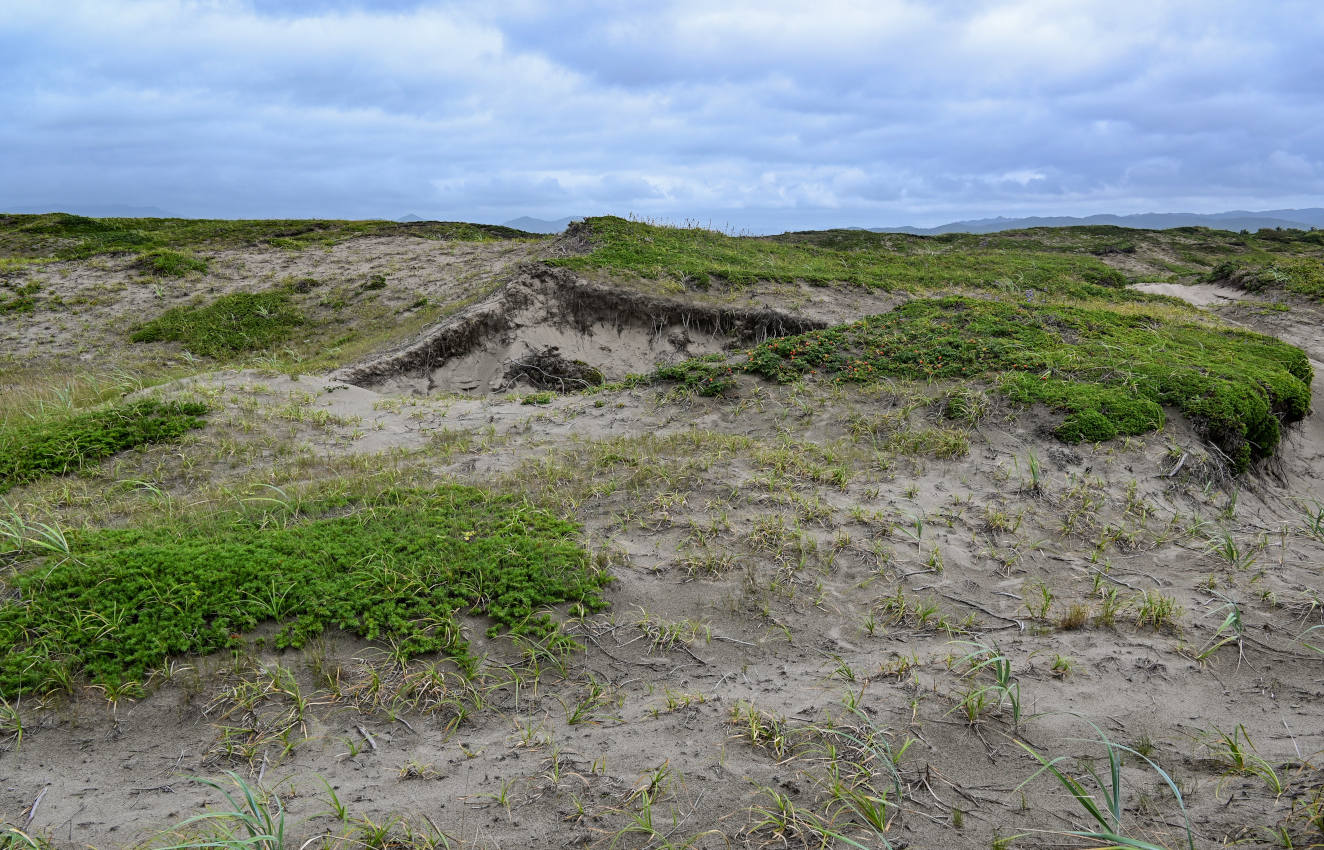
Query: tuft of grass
point(1108, 816)
point(29, 451)
point(240, 321)
point(168, 263)
point(1109, 371)
point(255, 819)
point(397, 567)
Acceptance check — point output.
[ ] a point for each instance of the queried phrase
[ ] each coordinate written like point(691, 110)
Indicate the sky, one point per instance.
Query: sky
point(745, 116)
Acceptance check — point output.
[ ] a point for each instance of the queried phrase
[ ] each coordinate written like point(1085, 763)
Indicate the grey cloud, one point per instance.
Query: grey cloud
point(773, 119)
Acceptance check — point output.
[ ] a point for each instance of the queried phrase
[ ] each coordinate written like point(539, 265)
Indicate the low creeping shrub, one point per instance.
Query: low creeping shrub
point(401, 567)
point(1109, 371)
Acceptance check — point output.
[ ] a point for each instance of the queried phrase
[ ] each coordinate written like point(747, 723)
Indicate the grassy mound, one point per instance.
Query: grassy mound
point(241, 321)
point(1110, 371)
point(1260, 271)
point(69, 237)
point(164, 261)
point(401, 569)
point(32, 451)
point(694, 255)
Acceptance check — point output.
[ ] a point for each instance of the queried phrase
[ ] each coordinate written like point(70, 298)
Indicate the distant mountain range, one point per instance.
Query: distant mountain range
point(1234, 220)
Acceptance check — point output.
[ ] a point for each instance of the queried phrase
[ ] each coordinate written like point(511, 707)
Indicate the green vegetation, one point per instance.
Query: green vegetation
point(1109, 370)
point(400, 567)
point(29, 451)
point(241, 321)
point(68, 237)
point(22, 300)
point(164, 261)
point(1261, 271)
point(707, 376)
point(697, 256)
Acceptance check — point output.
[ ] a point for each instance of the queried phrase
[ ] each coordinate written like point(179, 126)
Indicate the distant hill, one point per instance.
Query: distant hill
point(406, 219)
point(1234, 220)
point(96, 210)
point(541, 225)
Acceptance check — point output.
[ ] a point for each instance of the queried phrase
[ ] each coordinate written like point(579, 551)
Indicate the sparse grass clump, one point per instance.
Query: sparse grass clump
point(1109, 371)
point(19, 299)
point(29, 451)
point(399, 567)
point(240, 321)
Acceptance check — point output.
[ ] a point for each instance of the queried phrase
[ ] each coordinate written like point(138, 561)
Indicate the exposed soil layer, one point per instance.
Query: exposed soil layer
point(550, 329)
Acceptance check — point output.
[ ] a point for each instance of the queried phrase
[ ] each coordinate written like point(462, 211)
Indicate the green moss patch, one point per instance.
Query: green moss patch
point(30, 451)
point(698, 256)
point(1109, 371)
point(241, 321)
point(401, 568)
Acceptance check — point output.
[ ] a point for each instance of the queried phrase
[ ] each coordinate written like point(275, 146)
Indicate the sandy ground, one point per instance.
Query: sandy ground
point(723, 519)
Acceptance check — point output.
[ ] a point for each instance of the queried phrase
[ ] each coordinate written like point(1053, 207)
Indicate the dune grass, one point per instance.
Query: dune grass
point(400, 567)
point(234, 323)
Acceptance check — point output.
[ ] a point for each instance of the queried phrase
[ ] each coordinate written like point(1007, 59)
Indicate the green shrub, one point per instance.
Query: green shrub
point(32, 451)
point(401, 568)
point(241, 321)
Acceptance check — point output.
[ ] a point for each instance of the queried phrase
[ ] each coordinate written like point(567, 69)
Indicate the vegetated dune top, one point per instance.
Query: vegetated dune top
point(881, 521)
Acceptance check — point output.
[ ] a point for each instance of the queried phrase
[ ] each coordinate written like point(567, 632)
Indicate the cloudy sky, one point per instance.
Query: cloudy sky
point(757, 116)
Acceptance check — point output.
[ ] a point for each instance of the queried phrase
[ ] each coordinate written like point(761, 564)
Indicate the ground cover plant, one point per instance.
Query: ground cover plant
point(240, 321)
point(699, 256)
point(1109, 371)
point(400, 568)
point(33, 450)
